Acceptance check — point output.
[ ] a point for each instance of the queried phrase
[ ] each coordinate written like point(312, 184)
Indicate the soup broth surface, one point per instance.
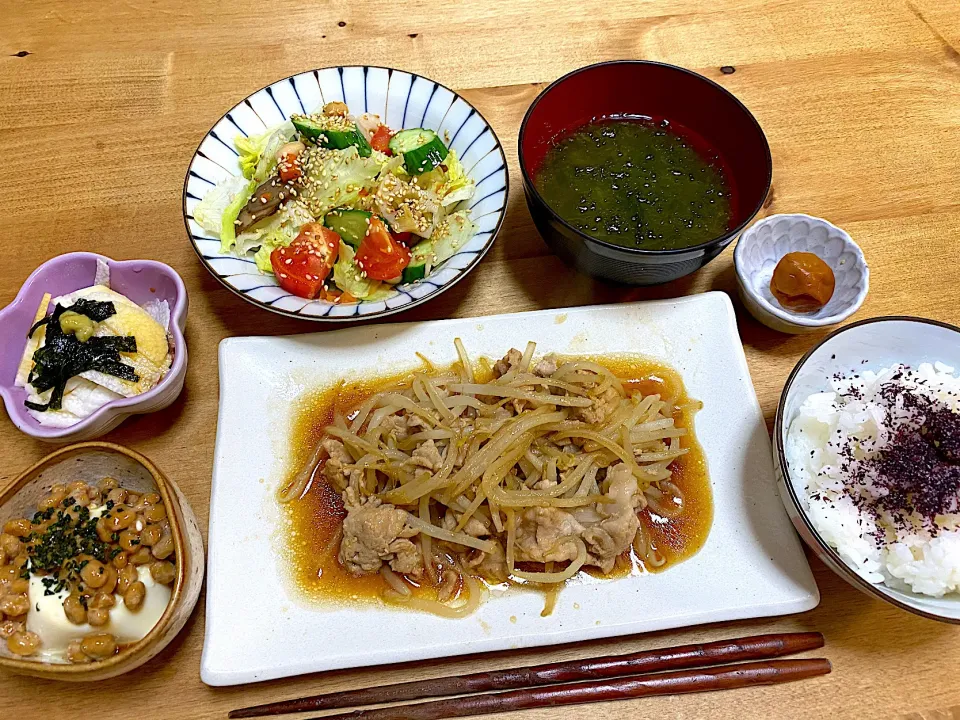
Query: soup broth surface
point(637, 183)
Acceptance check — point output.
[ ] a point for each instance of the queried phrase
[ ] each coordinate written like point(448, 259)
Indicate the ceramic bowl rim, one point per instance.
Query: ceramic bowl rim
point(121, 406)
point(704, 247)
point(794, 318)
point(849, 574)
point(386, 311)
point(171, 502)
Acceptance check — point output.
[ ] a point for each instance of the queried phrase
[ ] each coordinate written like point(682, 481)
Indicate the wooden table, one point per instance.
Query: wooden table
point(103, 102)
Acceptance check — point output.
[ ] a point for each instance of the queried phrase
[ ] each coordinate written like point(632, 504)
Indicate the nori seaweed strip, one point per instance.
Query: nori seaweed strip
point(96, 310)
point(39, 323)
point(63, 356)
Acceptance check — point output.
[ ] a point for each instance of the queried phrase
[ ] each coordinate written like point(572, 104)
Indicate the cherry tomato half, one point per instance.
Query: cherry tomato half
point(381, 140)
point(379, 255)
point(302, 267)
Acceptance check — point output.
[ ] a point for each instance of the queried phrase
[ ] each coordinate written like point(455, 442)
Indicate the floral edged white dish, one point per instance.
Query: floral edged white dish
point(751, 564)
point(396, 99)
point(762, 246)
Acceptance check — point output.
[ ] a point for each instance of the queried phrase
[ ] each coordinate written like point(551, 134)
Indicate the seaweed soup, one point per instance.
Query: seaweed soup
point(638, 182)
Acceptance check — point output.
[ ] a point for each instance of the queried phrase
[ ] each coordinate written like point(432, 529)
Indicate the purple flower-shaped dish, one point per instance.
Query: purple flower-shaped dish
point(139, 280)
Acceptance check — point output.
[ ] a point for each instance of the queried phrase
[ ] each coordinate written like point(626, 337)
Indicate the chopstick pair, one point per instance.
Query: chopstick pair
point(681, 669)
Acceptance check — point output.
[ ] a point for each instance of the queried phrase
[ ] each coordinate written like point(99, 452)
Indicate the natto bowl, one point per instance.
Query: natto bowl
point(866, 345)
point(640, 88)
point(91, 462)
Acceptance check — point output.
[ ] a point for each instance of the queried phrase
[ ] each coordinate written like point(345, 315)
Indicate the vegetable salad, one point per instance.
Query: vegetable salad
point(341, 208)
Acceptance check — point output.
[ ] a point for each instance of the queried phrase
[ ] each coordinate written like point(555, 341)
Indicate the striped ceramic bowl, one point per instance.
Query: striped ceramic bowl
point(403, 100)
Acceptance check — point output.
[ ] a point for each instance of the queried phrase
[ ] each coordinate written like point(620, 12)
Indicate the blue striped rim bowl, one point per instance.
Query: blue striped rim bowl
point(403, 100)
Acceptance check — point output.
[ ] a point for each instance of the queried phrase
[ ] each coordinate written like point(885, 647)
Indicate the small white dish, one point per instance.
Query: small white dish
point(763, 245)
point(866, 345)
point(751, 564)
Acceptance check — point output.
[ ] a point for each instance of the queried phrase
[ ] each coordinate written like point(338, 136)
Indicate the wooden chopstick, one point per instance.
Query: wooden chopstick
point(757, 647)
point(626, 688)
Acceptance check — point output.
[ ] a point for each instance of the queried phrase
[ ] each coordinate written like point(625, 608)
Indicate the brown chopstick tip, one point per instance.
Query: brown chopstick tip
point(267, 709)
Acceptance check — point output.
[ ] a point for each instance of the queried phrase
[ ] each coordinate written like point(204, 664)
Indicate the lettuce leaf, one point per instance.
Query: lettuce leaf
point(388, 163)
point(383, 291)
point(228, 221)
point(277, 230)
point(336, 177)
point(209, 211)
point(452, 234)
point(457, 186)
point(262, 256)
point(258, 153)
point(448, 181)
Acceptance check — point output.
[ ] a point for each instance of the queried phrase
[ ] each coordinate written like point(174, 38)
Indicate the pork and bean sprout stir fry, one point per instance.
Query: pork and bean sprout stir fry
point(528, 474)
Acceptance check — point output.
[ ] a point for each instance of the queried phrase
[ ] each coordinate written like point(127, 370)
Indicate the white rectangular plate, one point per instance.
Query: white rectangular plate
point(751, 565)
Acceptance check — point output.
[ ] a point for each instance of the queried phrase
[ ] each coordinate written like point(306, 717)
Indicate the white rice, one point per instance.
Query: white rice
point(907, 559)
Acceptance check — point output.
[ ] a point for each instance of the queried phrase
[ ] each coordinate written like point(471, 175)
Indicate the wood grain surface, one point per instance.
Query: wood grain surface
point(102, 104)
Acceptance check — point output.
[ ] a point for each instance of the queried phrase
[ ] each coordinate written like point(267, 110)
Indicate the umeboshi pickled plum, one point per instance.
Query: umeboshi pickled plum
point(802, 282)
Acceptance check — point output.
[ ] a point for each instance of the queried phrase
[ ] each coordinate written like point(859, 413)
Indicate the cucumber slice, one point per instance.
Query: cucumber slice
point(363, 145)
point(412, 273)
point(406, 140)
point(332, 132)
point(338, 140)
point(350, 225)
point(421, 255)
point(310, 128)
point(422, 150)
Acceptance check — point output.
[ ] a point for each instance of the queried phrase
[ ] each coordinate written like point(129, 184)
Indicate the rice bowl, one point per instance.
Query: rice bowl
point(834, 447)
point(853, 553)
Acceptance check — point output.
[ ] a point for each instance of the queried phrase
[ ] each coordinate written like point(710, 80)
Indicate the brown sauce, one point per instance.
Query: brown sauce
point(311, 536)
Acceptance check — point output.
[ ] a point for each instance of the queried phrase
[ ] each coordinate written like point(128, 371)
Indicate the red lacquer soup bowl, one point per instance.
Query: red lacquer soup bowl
point(708, 114)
